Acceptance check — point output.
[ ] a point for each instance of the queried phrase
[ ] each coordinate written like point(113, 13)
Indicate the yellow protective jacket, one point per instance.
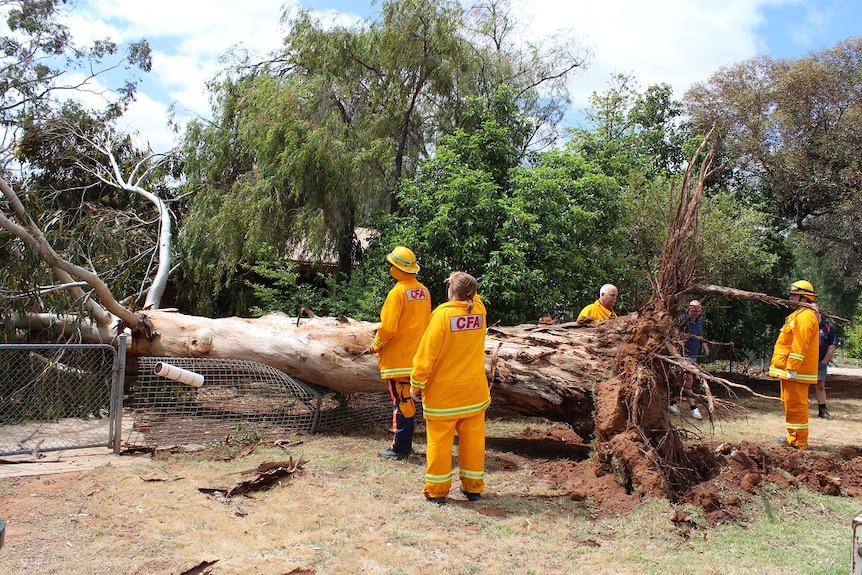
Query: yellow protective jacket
point(403, 319)
point(449, 366)
point(597, 311)
point(797, 347)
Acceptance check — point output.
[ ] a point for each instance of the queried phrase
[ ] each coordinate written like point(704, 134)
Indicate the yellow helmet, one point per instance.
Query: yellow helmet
point(803, 287)
point(403, 259)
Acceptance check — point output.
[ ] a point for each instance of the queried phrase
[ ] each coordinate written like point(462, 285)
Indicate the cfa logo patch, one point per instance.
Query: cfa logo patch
point(416, 294)
point(465, 322)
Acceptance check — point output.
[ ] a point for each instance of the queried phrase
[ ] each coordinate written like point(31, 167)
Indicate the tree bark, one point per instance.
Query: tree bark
point(536, 370)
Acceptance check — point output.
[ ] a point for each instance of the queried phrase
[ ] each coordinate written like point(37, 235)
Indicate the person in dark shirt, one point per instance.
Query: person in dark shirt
point(828, 345)
point(691, 323)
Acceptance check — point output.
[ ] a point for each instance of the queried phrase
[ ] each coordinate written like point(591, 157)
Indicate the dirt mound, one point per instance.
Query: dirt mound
point(746, 466)
point(743, 468)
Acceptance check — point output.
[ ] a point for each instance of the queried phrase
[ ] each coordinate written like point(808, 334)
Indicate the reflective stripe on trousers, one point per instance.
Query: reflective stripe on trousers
point(794, 397)
point(471, 454)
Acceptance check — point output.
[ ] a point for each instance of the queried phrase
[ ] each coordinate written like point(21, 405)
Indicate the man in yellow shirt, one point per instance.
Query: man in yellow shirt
point(602, 308)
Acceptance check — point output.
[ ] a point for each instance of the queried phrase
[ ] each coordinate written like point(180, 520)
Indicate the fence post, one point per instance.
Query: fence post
point(115, 425)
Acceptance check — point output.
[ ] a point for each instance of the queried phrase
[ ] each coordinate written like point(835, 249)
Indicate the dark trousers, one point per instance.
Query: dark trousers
point(402, 425)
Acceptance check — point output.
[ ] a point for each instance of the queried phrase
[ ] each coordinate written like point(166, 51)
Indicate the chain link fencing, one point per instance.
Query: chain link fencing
point(67, 396)
point(57, 397)
point(237, 400)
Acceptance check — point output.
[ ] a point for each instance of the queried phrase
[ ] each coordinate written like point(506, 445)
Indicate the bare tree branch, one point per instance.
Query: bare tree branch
point(733, 293)
point(65, 269)
point(97, 312)
point(42, 290)
point(114, 177)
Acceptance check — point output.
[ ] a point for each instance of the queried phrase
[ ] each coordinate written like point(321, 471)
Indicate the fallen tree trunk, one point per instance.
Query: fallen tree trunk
point(535, 369)
point(538, 370)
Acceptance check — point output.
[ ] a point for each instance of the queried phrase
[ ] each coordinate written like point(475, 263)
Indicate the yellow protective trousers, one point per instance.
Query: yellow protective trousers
point(794, 397)
point(440, 435)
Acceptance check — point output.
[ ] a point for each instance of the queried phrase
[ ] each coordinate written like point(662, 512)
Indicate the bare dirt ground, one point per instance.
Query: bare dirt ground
point(346, 510)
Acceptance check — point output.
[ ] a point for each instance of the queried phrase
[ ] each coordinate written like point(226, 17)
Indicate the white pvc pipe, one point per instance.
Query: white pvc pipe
point(179, 374)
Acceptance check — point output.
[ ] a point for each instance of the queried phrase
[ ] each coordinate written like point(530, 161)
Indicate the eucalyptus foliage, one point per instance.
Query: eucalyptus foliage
point(45, 152)
point(792, 133)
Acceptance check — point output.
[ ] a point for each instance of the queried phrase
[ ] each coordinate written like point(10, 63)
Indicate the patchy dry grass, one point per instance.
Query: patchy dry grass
point(349, 511)
point(762, 421)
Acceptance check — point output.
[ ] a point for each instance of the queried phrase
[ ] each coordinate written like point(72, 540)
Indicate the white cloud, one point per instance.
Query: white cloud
point(677, 42)
point(142, 118)
point(189, 39)
point(674, 41)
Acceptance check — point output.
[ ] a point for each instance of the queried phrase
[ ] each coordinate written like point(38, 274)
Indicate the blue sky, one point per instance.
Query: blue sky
point(674, 41)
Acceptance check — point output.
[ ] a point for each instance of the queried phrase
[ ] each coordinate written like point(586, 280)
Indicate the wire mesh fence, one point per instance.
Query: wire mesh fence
point(56, 397)
point(240, 400)
point(237, 398)
point(342, 413)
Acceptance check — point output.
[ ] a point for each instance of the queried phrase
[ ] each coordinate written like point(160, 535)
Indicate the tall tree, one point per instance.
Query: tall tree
point(536, 236)
point(629, 131)
point(357, 110)
point(37, 94)
point(641, 139)
point(39, 54)
point(792, 129)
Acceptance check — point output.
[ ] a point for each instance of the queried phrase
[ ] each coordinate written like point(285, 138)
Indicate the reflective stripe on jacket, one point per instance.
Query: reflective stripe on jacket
point(797, 347)
point(403, 319)
point(449, 366)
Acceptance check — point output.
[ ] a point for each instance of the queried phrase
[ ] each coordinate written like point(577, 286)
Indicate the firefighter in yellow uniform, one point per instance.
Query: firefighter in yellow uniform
point(449, 372)
point(403, 319)
point(794, 361)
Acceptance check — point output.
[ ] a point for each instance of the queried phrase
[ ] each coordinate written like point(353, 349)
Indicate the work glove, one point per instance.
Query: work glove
point(791, 374)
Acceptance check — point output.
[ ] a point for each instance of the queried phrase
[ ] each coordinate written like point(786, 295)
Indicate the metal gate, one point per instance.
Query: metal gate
point(55, 397)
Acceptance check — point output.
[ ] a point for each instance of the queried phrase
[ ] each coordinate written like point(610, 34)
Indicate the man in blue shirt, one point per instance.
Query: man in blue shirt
point(828, 344)
point(691, 323)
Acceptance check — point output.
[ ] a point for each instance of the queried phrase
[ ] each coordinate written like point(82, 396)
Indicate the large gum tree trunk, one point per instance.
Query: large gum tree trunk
point(535, 369)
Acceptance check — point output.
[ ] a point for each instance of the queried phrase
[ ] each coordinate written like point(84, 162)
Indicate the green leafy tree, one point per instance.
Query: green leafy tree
point(634, 132)
point(83, 214)
point(791, 131)
point(45, 139)
point(642, 140)
point(285, 287)
point(304, 182)
point(38, 54)
point(531, 234)
point(306, 146)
